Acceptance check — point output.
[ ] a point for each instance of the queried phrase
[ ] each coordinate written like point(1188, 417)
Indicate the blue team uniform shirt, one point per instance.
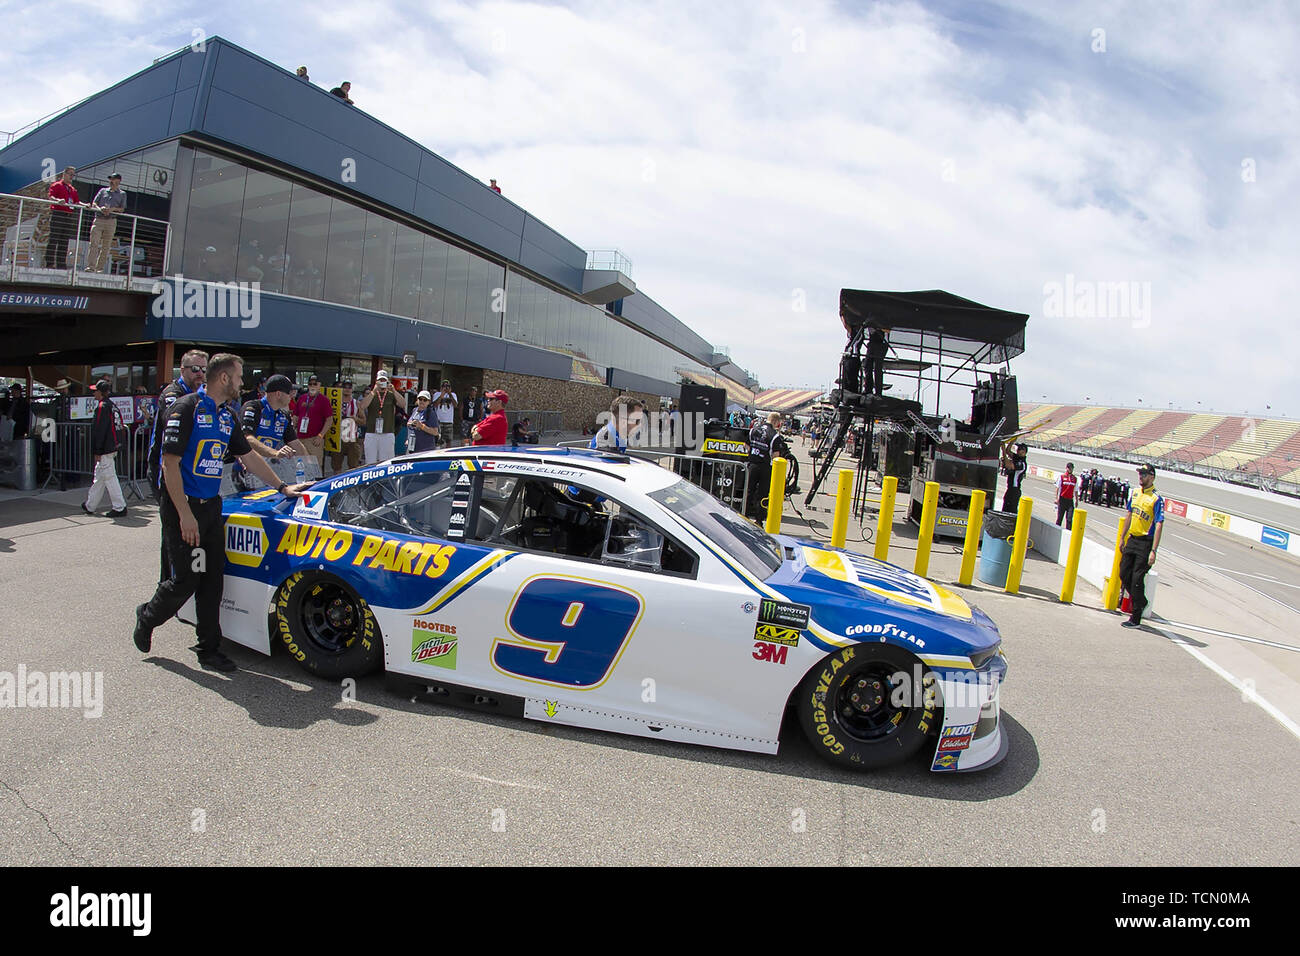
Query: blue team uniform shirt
point(202, 432)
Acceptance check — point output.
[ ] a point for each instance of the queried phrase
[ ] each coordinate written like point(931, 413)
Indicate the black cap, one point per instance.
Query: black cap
point(279, 383)
point(114, 175)
point(1147, 470)
point(102, 386)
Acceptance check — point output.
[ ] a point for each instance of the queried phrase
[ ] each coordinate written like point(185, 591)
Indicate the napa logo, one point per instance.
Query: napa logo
point(245, 540)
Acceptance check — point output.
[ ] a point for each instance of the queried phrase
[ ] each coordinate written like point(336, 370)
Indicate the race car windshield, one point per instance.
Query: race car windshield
point(743, 540)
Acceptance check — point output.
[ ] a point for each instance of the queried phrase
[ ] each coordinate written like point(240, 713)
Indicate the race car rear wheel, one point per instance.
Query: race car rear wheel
point(862, 707)
point(327, 627)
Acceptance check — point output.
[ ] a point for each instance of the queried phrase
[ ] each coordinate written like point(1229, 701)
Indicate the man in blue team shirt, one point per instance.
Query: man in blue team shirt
point(268, 426)
point(198, 429)
point(194, 366)
point(624, 409)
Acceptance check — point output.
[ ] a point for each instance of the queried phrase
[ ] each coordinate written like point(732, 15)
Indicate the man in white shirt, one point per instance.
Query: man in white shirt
point(444, 405)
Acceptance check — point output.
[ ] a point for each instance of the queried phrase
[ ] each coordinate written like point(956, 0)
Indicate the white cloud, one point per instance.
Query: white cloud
point(738, 151)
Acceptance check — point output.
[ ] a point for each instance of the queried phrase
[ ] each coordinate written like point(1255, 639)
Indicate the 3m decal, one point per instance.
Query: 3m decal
point(433, 643)
point(566, 631)
point(775, 653)
point(245, 540)
point(777, 634)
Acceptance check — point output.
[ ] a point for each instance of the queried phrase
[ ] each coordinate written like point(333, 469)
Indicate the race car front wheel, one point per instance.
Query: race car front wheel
point(327, 627)
point(868, 706)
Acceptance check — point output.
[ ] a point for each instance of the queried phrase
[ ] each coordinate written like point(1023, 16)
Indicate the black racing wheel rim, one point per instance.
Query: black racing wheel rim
point(865, 703)
point(331, 617)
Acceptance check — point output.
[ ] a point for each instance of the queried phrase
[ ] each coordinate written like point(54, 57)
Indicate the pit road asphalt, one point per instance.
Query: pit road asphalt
point(1124, 749)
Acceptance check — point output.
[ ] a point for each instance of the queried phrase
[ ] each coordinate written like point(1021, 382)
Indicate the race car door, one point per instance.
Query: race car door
point(601, 619)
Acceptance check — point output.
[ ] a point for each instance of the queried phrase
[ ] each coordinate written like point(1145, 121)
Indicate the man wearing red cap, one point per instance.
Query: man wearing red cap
point(492, 429)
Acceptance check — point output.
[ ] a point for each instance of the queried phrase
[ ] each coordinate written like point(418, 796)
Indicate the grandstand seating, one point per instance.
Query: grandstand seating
point(1127, 426)
point(1185, 433)
point(1065, 424)
point(1096, 429)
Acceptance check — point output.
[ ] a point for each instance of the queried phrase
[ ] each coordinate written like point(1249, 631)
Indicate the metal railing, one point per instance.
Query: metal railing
point(48, 242)
point(725, 479)
point(541, 422)
point(611, 259)
point(70, 456)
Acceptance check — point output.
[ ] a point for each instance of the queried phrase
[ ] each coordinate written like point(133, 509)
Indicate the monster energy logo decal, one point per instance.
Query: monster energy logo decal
point(786, 615)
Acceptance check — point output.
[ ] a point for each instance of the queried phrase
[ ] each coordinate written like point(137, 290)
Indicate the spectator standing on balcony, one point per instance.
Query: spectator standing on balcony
point(104, 445)
point(1066, 486)
point(63, 219)
point(313, 413)
point(471, 411)
point(492, 430)
point(302, 74)
point(494, 187)
point(109, 203)
point(342, 91)
point(444, 405)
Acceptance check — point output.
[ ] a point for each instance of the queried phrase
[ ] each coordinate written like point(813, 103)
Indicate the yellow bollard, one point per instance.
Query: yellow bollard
point(929, 511)
point(840, 524)
point(1110, 597)
point(776, 496)
point(885, 521)
point(974, 523)
point(1072, 559)
point(1019, 545)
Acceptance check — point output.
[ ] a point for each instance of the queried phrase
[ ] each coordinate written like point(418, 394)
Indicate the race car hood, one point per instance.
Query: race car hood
point(860, 599)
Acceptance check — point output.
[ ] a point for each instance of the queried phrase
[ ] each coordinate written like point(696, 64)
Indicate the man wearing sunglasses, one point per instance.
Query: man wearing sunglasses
point(194, 369)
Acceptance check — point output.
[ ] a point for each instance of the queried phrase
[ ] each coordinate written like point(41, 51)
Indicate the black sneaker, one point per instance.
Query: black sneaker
point(116, 513)
point(216, 661)
point(1130, 623)
point(143, 635)
point(87, 510)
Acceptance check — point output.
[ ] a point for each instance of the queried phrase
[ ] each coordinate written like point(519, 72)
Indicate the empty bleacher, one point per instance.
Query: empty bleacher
point(1088, 432)
point(1185, 433)
point(1154, 428)
point(1063, 424)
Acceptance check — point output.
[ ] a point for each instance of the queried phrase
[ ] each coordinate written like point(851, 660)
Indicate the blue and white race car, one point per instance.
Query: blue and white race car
point(596, 590)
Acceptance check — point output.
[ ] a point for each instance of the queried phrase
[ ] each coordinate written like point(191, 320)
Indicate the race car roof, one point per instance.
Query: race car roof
point(639, 475)
point(969, 329)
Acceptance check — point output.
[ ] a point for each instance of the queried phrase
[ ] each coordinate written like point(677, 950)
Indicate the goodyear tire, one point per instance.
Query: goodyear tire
point(326, 626)
point(860, 709)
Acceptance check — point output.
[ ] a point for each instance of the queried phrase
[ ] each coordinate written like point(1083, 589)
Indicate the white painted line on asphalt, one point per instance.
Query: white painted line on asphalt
point(1250, 694)
point(1229, 634)
point(1249, 575)
point(1197, 543)
point(504, 783)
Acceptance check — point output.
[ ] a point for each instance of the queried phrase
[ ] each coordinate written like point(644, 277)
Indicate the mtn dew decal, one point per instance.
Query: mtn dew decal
point(433, 642)
point(887, 581)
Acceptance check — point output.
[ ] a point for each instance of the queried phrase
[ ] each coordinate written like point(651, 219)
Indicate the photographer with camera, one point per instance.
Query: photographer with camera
point(379, 409)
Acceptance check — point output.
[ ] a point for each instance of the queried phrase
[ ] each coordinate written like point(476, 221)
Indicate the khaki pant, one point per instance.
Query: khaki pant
point(350, 450)
point(316, 448)
point(101, 240)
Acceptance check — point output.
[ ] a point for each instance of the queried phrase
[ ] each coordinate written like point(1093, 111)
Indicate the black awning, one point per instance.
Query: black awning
point(973, 331)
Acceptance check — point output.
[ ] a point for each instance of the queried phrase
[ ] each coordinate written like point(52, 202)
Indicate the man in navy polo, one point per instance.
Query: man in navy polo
point(199, 428)
point(194, 366)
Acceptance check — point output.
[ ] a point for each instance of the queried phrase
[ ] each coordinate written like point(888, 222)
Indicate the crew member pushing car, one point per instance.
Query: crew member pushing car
point(198, 430)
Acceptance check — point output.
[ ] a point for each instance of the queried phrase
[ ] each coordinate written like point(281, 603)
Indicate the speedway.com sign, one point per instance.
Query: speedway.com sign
point(44, 300)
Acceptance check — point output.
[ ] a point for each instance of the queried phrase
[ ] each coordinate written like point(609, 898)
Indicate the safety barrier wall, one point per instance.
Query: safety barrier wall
point(1247, 528)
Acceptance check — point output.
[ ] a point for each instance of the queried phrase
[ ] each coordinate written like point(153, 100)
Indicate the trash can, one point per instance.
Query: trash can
point(18, 463)
point(995, 548)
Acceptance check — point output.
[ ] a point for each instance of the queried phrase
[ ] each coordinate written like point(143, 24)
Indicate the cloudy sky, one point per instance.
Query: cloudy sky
point(1122, 172)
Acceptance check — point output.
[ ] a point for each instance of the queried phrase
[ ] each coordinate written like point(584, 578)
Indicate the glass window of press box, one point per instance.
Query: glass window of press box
point(233, 222)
